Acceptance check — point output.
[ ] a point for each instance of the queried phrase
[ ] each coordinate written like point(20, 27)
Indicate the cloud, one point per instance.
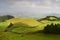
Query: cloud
point(29, 7)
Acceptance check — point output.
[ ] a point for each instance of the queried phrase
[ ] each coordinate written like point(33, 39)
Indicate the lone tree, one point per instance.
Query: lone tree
point(52, 29)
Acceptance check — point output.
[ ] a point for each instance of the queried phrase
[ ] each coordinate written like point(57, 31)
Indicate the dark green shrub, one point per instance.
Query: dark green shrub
point(53, 29)
point(10, 26)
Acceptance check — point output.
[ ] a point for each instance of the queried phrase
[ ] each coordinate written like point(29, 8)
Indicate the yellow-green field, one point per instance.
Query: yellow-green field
point(36, 36)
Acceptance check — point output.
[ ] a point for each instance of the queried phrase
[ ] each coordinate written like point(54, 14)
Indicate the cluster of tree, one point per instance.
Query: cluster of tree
point(5, 17)
point(52, 29)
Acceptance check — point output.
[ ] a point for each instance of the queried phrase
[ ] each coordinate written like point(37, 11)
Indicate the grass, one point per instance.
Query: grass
point(36, 36)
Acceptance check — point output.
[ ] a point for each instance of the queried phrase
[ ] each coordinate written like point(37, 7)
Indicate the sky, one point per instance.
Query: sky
point(29, 8)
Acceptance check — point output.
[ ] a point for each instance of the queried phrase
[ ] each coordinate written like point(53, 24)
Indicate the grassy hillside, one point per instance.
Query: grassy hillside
point(28, 21)
point(27, 25)
point(24, 25)
point(21, 24)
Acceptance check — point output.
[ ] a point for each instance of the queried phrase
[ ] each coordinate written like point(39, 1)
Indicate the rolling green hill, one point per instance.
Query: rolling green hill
point(26, 28)
point(22, 25)
point(25, 25)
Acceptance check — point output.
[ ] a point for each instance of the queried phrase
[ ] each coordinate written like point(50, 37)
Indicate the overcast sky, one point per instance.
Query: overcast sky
point(31, 8)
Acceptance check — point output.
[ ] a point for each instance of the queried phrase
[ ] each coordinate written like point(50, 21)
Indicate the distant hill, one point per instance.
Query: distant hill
point(50, 18)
